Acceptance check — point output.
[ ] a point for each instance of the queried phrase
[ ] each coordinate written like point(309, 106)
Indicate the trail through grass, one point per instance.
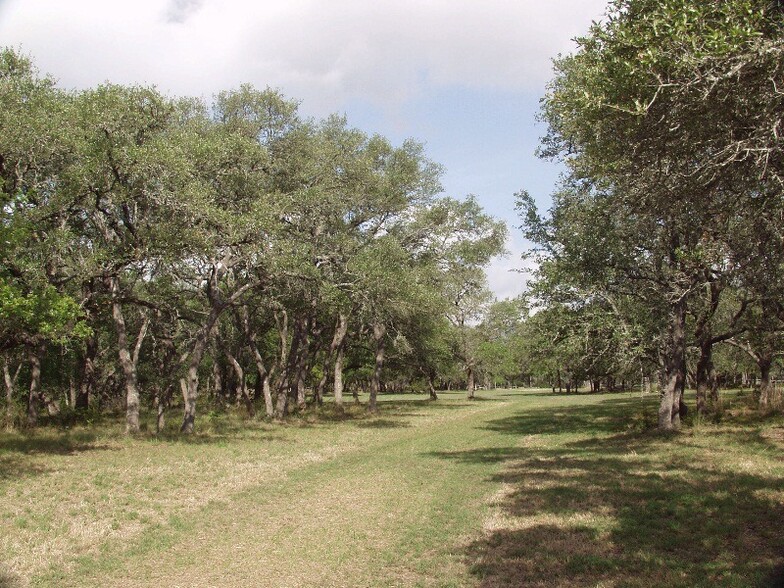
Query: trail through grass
point(522, 488)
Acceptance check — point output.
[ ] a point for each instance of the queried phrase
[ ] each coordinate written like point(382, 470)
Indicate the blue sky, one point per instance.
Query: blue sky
point(462, 76)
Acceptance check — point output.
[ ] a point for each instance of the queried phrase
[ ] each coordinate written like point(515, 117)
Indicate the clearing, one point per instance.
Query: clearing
point(519, 488)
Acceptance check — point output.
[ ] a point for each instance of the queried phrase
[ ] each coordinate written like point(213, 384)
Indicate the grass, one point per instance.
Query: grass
point(525, 489)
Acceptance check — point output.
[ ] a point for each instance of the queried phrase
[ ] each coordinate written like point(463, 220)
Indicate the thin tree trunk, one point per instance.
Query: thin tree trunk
point(703, 376)
point(9, 392)
point(161, 402)
point(379, 331)
point(217, 380)
point(10, 388)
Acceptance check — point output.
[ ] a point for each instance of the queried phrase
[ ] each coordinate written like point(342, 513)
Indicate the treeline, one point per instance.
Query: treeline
point(663, 253)
point(154, 247)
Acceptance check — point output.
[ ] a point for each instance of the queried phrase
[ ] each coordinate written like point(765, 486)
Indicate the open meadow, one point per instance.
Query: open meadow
point(517, 488)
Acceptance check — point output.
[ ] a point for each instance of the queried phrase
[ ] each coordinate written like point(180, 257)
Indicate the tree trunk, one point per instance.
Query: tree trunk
point(767, 391)
point(379, 331)
point(288, 386)
point(431, 385)
point(194, 361)
point(264, 377)
point(341, 328)
point(302, 366)
point(9, 392)
point(672, 376)
point(470, 384)
point(338, 378)
point(217, 380)
point(10, 387)
point(161, 403)
point(704, 375)
point(128, 360)
point(34, 357)
point(87, 374)
point(242, 386)
point(281, 401)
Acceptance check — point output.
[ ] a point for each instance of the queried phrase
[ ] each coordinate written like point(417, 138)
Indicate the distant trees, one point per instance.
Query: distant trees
point(669, 118)
point(152, 246)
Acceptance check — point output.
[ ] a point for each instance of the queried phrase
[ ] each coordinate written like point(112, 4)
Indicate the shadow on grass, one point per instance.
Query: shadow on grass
point(382, 424)
point(8, 580)
point(607, 416)
point(625, 508)
point(16, 451)
point(57, 444)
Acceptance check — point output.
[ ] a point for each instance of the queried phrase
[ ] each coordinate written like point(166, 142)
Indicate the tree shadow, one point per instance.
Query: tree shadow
point(623, 509)
point(8, 580)
point(16, 451)
point(60, 444)
point(607, 416)
point(382, 424)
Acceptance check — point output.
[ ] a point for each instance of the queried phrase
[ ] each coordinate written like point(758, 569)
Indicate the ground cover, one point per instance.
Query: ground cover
point(521, 488)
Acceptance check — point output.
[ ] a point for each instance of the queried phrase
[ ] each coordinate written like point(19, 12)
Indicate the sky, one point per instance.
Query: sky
point(464, 77)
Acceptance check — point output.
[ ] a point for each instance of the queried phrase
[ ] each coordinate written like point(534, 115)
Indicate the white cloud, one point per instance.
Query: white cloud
point(324, 52)
point(507, 276)
point(180, 10)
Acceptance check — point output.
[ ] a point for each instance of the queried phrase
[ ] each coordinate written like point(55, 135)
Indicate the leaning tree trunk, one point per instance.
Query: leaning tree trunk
point(431, 385)
point(672, 376)
point(379, 331)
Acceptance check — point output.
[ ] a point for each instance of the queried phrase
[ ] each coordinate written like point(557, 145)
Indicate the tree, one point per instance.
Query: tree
point(667, 116)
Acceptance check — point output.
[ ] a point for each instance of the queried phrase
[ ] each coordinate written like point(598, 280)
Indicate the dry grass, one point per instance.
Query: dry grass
point(522, 489)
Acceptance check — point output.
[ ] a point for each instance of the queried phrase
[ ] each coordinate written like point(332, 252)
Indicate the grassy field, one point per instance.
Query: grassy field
point(519, 488)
